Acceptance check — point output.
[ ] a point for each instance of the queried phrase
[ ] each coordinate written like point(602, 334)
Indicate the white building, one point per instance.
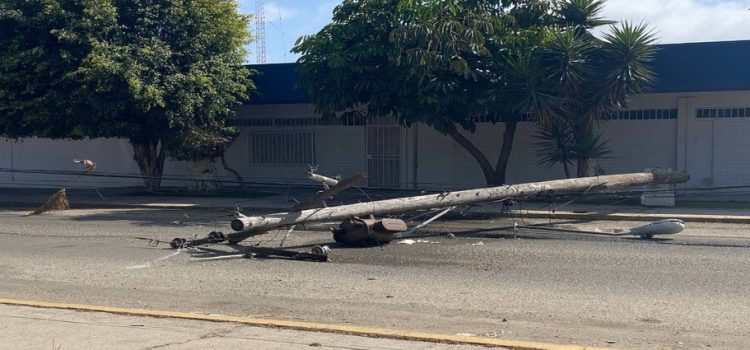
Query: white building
point(696, 118)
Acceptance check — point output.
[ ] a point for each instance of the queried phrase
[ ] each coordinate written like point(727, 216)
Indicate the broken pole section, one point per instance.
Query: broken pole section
point(319, 198)
point(247, 226)
point(325, 180)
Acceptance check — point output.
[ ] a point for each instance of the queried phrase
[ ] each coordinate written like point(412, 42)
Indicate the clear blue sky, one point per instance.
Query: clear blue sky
point(673, 20)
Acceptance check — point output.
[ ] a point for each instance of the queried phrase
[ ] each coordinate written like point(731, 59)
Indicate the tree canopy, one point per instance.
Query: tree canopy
point(452, 63)
point(164, 74)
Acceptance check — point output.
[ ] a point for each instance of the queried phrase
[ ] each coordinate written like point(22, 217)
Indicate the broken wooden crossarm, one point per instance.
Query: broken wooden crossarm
point(322, 179)
point(318, 199)
point(213, 238)
point(250, 224)
point(318, 253)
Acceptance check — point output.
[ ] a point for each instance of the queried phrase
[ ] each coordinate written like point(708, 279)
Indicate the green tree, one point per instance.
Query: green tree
point(452, 63)
point(424, 62)
point(164, 74)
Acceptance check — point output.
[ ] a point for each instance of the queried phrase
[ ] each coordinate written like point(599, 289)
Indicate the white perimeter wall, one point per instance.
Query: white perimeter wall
point(339, 150)
point(714, 151)
point(112, 156)
point(635, 145)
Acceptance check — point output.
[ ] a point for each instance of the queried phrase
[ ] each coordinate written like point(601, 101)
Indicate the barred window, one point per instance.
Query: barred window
point(643, 114)
point(251, 122)
point(281, 148)
point(733, 112)
point(347, 120)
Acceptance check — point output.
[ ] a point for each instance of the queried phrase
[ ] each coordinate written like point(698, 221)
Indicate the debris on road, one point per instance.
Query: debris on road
point(661, 227)
point(411, 241)
point(59, 200)
point(368, 231)
point(360, 227)
point(656, 228)
point(331, 187)
point(427, 222)
point(248, 226)
point(221, 257)
point(317, 254)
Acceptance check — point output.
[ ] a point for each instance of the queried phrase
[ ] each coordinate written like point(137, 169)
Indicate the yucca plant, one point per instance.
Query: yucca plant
point(555, 145)
point(588, 147)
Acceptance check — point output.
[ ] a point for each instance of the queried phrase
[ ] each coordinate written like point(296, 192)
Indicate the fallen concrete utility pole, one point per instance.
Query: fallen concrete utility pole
point(252, 225)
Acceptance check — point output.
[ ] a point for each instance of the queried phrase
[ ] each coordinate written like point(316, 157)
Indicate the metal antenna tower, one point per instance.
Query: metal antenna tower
point(260, 31)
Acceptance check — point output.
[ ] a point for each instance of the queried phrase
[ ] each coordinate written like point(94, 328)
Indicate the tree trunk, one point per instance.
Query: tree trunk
point(502, 161)
point(582, 129)
point(150, 159)
point(484, 164)
point(583, 167)
point(567, 171)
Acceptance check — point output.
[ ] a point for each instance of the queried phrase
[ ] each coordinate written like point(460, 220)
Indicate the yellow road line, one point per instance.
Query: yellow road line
point(306, 326)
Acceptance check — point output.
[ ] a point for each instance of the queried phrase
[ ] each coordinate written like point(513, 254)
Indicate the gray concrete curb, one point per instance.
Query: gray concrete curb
point(726, 219)
point(171, 206)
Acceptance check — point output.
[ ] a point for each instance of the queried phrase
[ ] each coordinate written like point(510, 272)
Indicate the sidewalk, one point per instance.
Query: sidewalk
point(34, 328)
point(136, 198)
point(275, 202)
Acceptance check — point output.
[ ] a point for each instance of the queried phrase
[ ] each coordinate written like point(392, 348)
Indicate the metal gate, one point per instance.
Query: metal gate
point(384, 155)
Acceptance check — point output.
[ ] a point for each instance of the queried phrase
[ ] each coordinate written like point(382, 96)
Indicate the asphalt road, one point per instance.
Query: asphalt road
point(692, 291)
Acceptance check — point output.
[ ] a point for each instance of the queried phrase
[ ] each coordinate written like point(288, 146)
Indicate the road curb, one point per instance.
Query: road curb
point(167, 206)
point(306, 326)
point(726, 219)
